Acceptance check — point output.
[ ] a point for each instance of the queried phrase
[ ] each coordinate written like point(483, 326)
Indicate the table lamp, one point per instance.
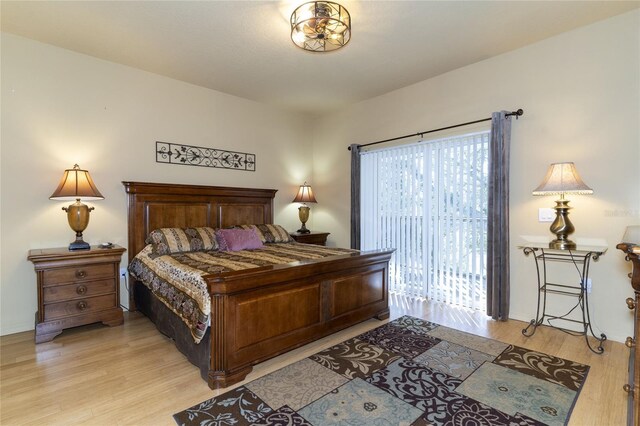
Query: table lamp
point(304, 195)
point(562, 178)
point(76, 184)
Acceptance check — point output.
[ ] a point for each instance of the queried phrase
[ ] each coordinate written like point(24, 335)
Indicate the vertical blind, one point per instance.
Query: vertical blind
point(429, 201)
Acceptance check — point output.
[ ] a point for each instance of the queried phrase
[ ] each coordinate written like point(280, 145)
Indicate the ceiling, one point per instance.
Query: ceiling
point(243, 48)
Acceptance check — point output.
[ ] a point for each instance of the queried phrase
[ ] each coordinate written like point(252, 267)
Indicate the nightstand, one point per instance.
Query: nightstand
point(317, 238)
point(76, 288)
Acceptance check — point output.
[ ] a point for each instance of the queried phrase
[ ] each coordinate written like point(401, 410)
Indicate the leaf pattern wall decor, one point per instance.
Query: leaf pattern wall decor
point(188, 155)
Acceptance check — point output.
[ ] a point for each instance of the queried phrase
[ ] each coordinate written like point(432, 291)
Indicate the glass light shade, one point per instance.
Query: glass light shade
point(320, 26)
point(76, 184)
point(562, 178)
point(304, 195)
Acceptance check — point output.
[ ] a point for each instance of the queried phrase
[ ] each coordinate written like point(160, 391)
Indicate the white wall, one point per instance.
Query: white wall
point(581, 95)
point(61, 108)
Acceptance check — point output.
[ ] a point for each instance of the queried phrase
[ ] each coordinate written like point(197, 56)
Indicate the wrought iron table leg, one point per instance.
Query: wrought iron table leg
point(586, 317)
point(537, 321)
point(535, 324)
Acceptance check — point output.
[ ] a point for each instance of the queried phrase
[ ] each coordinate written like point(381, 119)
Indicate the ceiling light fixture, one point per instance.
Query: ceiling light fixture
point(320, 26)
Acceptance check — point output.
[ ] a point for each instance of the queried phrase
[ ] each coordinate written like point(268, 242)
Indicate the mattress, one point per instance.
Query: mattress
point(177, 280)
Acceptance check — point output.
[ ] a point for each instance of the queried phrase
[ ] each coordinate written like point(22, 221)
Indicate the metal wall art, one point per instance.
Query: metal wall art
point(173, 153)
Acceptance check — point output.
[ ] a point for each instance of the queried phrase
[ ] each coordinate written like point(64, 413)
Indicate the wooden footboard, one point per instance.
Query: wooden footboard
point(263, 312)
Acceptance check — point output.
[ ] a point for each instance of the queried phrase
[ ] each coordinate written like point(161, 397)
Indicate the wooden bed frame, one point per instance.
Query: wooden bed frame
point(259, 313)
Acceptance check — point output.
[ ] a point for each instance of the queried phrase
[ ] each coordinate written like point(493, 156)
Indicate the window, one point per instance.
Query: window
point(429, 202)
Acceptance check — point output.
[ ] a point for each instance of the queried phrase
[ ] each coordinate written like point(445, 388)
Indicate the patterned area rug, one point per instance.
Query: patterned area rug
point(407, 372)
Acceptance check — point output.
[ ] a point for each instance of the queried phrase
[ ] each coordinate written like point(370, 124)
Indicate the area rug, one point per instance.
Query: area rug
point(407, 372)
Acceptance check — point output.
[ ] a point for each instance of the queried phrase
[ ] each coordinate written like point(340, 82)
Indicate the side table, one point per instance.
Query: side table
point(76, 288)
point(317, 238)
point(581, 258)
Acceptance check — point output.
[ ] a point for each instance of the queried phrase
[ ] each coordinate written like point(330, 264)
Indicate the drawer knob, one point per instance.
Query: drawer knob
point(631, 304)
point(627, 388)
point(82, 305)
point(630, 342)
point(81, 289)
point(80, 273)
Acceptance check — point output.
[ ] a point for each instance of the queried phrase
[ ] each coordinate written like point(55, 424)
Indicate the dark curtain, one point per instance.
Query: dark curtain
point(498, 215)
point(355, 196)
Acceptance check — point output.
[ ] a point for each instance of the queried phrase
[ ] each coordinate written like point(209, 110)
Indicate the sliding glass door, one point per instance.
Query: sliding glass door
point(429, 202)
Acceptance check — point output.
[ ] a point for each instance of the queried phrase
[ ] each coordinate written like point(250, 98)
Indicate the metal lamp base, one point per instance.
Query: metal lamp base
point(562, 227)
point(562, 244)
point(78, 218)
point(303, 214)
point(79, 245)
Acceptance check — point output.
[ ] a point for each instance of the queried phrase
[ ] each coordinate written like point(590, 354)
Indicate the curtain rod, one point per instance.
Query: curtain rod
point(516, 113)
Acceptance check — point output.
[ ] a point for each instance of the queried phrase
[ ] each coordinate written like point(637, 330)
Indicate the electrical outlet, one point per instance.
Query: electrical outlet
point(546, 215)
point(588, 286)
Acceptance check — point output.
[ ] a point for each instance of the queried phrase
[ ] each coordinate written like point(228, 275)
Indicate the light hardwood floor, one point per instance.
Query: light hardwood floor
point(96, 375)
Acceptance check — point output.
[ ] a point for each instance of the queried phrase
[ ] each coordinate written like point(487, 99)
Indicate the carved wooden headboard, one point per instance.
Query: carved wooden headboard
point(160, 205)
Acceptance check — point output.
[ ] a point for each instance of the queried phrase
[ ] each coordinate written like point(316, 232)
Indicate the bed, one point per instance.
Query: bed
point(249, 309)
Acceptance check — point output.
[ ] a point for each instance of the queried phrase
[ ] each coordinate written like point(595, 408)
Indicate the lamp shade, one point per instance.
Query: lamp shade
point(562, 178)
point(320, 26)
point(632, 235)
point(76, 184)
point(304, 195)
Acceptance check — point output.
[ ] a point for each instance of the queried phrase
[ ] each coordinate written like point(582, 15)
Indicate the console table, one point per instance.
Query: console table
point(632, 251)
point(581, 258)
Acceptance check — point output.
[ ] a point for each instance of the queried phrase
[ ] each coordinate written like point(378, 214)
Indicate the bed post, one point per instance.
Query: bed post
point(219, 376)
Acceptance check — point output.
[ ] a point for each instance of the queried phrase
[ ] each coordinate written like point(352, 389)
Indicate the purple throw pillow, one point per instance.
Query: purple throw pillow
point(222, 243)
point(238, 239)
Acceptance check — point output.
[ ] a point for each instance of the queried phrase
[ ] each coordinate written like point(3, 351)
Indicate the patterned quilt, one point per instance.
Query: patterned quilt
point(177, 279)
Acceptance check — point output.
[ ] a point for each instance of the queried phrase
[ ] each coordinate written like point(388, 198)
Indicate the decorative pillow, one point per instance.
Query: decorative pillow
point(222, 243)
point(270, 233)
point(180, 240)
point(238, 239)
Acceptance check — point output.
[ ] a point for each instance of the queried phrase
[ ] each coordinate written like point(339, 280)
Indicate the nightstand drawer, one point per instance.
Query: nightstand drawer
point(79, 273)
point(79, 306)
point(76, 291)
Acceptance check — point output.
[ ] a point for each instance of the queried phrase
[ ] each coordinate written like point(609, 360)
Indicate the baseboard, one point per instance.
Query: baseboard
point(6, 329)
